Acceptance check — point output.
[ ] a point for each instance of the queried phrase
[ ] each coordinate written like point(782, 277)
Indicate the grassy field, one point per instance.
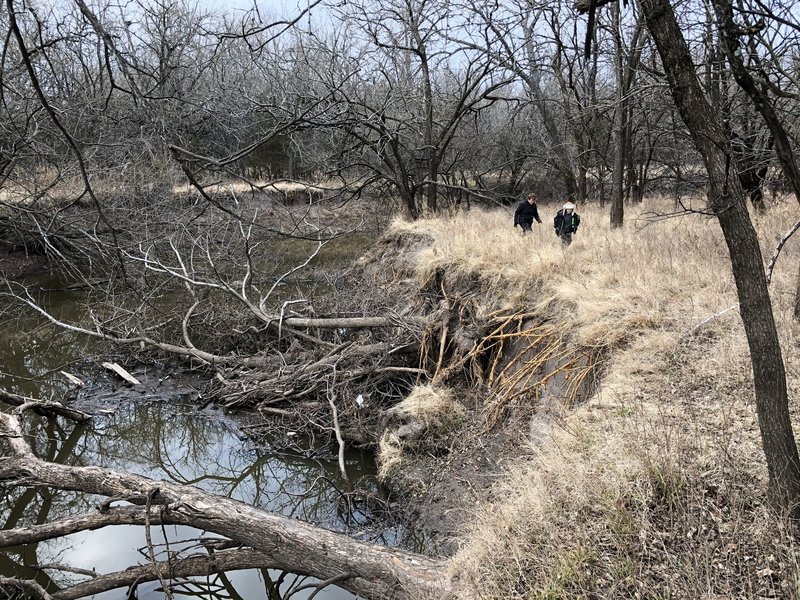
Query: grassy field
point(653, 487)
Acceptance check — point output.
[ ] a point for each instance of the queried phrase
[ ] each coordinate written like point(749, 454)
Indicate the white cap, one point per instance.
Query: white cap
point(569, 206)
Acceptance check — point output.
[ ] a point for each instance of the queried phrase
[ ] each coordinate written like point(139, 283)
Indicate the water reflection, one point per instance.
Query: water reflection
point(175, 442)
point(32, 352)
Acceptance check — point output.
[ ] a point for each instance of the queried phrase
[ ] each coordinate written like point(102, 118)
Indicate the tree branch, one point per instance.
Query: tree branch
point(778, 249)
point(87, 522)
point(26, 585)
point(583, 6)
point(45, 406)
point(190, 566)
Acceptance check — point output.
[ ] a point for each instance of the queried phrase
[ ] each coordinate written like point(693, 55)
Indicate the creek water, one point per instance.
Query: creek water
point(160, 429)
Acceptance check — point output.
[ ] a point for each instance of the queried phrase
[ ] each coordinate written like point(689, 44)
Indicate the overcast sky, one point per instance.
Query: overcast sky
point(280, 8)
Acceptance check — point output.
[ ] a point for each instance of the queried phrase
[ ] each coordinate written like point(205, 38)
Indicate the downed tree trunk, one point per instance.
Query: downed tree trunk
point(374, 572)
point(352, 322)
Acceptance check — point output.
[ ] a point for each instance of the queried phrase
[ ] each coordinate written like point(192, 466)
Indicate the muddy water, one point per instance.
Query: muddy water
point(160, 429)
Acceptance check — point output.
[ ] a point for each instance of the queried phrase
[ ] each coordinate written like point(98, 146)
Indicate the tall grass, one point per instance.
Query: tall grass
point(654, 488)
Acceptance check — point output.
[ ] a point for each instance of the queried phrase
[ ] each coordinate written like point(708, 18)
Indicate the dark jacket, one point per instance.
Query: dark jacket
point(566, 224)
point(526, 213)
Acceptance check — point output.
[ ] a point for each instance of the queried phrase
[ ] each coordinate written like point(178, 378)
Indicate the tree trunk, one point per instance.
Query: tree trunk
point(727, 200)
point(620, 112)
point(779, 137)
point(797, 297)
point(371, 571)
point(562, 159)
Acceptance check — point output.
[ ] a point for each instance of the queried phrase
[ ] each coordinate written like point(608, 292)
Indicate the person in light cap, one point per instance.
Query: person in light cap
point(566, 223)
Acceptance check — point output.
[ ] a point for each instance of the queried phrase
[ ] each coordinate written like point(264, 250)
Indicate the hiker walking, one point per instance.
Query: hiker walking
point(566, 223)
point(525, 214)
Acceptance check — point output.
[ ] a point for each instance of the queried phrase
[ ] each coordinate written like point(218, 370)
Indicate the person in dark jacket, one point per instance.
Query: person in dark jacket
point(566, 223)
point(525, 214)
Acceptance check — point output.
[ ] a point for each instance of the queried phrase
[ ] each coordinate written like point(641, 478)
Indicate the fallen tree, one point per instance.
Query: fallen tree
point(253, 538)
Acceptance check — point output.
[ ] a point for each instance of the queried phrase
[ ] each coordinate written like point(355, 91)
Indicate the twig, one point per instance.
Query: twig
point(337, 430)
point(321, 585)
point(68, 569)
point(707, 320)
point(151, 551)
point(778, 249)
point(442, 345)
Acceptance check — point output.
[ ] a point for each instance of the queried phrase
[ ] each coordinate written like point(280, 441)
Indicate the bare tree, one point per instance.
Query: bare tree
point(727, 201)
point(626, 62)
point(415, 90)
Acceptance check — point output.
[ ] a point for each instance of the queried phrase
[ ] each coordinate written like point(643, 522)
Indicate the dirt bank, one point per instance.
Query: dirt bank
point(507, 370)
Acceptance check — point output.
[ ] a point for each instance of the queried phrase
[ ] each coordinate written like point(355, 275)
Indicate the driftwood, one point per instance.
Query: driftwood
point(45, 406)
point(115, 368)
point(76, 381)
point(266, 540)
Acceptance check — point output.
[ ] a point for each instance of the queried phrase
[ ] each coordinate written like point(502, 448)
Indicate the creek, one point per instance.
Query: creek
point(163, 429)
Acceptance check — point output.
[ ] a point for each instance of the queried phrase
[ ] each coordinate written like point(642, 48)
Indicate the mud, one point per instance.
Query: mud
point(158, 383)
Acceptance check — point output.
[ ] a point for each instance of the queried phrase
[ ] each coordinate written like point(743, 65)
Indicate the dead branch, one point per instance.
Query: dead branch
point(355, 322)
point(336, 429)
point(190, 566)
point(707, 320)
point(245, 361)
point(73, 380)
point(45, 406)
point(158, 568)
point(87, 522)
point(778, 249)
point(68, 569)
point(296, 381)
point(31, 587)
point(115, 368)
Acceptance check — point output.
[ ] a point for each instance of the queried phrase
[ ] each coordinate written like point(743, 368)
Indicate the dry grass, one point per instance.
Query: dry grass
point(654, 487)
point(389, 456)
point(433, 411)
point(436, 408)
point(607, 281)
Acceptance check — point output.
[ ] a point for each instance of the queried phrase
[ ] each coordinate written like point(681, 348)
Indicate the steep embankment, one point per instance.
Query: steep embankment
point(586, 424)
